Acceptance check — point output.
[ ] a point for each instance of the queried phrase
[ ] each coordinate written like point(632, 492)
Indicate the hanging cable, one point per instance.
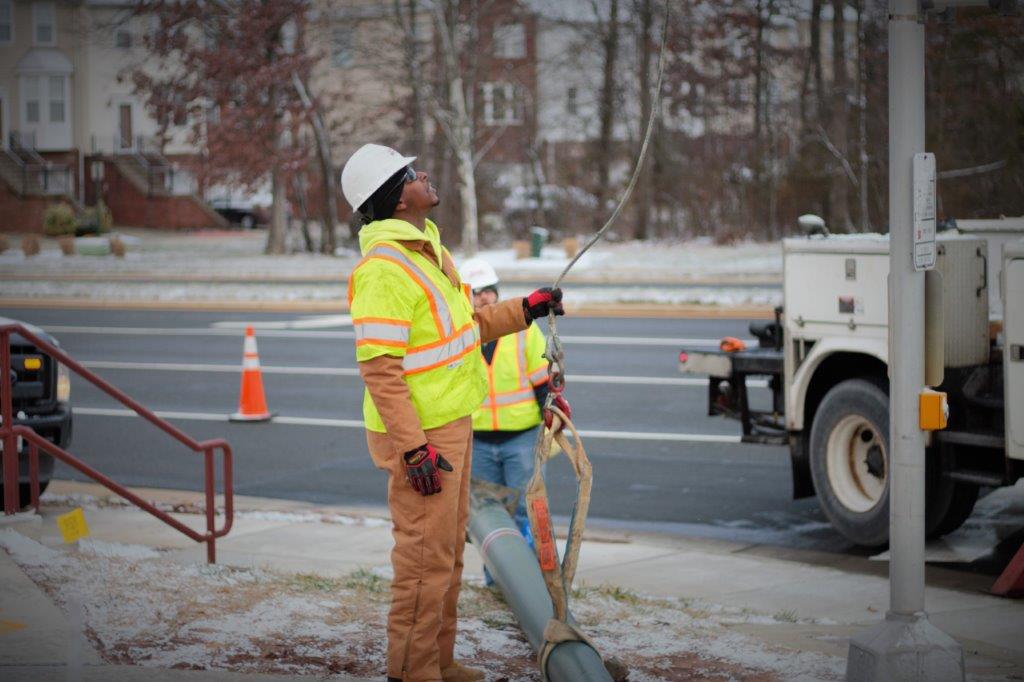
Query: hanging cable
point(554, 352)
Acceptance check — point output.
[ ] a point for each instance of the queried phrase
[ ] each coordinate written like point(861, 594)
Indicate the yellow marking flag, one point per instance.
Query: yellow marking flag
point(73, 526)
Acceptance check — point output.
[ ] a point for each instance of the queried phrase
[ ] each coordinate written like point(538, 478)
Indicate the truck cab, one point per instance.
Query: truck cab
point(826, 360)
point(40, 396)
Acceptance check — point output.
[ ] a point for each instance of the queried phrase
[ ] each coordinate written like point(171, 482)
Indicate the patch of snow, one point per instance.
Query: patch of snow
point(312, 517)
point(69, 500)
point(28, 552)
point(163, 614)
point(114, 549)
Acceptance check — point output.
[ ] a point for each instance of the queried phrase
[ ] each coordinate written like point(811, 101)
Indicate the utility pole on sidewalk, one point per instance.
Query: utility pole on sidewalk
point(906, 646)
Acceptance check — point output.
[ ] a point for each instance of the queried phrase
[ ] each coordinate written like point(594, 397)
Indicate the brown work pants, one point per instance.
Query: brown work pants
point(430, 535)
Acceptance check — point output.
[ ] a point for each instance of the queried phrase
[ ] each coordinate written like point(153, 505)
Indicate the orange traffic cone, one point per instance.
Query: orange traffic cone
point(252, 404)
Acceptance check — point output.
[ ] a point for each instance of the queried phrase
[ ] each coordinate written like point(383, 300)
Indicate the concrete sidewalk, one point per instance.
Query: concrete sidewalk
point(792, 600)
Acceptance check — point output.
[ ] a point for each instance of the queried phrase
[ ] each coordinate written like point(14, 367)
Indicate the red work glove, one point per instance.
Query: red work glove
point(421, 467)
point(561, 403)
point(542, 301)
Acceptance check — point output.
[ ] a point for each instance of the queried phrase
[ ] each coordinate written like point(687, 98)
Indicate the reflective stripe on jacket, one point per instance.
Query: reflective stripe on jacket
point(517, 367)
point(403, 305)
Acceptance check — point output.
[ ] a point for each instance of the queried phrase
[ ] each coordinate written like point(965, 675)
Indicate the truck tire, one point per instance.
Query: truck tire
point(850, 460)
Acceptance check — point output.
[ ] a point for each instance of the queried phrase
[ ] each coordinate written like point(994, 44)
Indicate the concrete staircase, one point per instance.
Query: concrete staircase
point(139, 195)
point(12, 173)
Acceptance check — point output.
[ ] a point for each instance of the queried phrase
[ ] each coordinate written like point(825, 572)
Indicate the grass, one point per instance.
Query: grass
point(787, 616)
point(311, 582)
point(367, 581)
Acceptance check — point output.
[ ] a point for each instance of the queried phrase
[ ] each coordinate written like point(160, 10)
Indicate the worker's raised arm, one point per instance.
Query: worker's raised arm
point(516, 314)
point(500, 319)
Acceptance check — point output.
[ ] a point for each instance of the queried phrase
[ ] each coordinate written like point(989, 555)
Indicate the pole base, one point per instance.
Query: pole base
point(904, 648)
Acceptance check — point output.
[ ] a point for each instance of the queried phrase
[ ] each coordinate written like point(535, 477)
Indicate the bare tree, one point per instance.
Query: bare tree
point(608, 29)
point(644, 12)
point(839, 119)
point(223, 64)
point(328, 241)
point(456, 33)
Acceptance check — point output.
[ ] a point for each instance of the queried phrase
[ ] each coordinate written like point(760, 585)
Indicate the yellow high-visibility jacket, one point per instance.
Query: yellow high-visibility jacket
point(404, 306)
point(517, 367)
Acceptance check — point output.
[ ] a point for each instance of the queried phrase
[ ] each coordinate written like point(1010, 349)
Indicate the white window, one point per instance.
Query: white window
point(31, 99)
point(44, 23)
point(341, 46)
point(6, 21)
point(502, 104)
point(570, 101)
point(56, 99)
point(122, 38)
point(510, 41)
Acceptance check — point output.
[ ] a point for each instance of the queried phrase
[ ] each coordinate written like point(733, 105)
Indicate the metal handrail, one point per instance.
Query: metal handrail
point(45, 171)
point(9, 434)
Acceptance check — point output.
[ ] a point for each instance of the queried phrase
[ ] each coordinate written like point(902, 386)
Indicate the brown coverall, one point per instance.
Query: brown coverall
point(429, 530)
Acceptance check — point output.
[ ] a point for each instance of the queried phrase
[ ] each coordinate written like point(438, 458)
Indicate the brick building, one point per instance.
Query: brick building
point(73, 131)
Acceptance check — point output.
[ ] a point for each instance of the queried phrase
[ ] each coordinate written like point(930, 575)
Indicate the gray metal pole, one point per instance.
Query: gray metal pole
point(514, 568)
point(906, 313)
point(905, 646)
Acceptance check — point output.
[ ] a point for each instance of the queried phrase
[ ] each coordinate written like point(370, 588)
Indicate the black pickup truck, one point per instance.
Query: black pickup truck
point(40, 400)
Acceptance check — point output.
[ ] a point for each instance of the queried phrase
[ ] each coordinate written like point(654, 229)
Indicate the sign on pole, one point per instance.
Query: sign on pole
point(924, 211)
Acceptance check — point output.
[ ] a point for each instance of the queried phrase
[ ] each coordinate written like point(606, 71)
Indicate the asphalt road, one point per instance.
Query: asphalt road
point(664, 466)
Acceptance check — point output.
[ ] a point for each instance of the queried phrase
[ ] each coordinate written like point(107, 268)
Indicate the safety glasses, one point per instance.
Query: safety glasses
point(410, 176)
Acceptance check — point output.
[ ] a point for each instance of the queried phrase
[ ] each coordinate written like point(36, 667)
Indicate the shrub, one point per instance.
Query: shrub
point(30, 245)
point(59, 220)
point(96, 220)
point(117, 246)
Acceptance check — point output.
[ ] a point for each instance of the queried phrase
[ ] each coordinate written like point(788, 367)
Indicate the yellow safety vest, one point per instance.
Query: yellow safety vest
point(517, 366)
point(403, 305)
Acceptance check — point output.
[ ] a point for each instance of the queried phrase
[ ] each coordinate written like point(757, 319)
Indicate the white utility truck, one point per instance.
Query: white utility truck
point(826, 358)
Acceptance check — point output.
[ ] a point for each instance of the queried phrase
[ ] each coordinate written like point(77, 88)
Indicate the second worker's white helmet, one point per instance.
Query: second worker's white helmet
point(478, 273)
point(367, 169)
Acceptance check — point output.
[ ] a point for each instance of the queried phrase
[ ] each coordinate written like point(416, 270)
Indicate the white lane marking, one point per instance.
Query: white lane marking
point(644, 341)
point(677, 437)
point(325, 334)
point(197, 331)
point(358, 424)
point(651, 381)
point(352, 371)
point(316, 322)
point(196, 367)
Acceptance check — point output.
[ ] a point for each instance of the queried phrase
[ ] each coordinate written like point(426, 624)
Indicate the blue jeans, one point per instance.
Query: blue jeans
point(509, 464)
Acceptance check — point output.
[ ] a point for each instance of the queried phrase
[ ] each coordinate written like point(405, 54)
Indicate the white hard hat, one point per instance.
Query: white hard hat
point(367, 169)
point(478, 273)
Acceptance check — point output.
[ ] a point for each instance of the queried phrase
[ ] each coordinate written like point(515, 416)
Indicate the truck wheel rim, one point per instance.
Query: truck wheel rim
point(857, 463)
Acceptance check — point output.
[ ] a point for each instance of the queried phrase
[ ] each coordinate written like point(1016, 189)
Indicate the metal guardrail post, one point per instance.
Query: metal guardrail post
point(33, 475)
point(9, 435)
point(10, 454)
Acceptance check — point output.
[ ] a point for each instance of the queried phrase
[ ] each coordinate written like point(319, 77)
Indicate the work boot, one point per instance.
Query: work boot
point(457, 672)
